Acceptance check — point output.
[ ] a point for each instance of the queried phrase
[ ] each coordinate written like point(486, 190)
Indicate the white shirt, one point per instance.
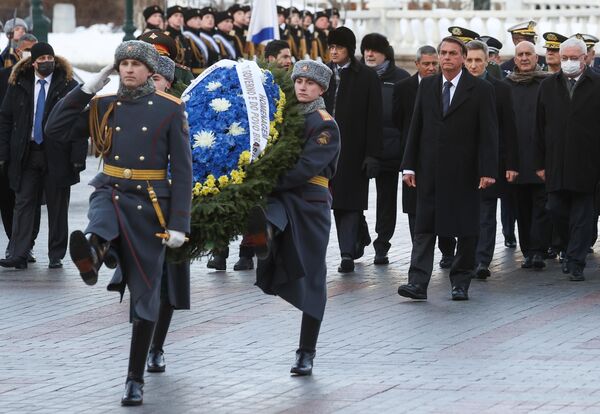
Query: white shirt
point(36, 93)
point(452, 90)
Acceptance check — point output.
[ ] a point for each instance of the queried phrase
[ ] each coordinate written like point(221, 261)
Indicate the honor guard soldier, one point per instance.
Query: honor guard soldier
point(240, 30)
point(154, 17)
point(292, 234)
point(334, 18)
point(465, 35)
point(165, 46)
point(207, 30)
point(494, 46)
point(552, 46)
point(227, 43)
point(136, 208)
point(14, 29)
point(307, 26)
point(520, 32)
point(319, 49)
point(173, 30)
point(201, 52)
point(296, 37)
point(284, 30)
point(590, 42)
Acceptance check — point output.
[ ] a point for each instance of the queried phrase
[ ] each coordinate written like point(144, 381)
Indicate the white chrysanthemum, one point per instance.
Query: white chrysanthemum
point(213, 86)
point(220, 104)
point(204, 139)
point(235, 129)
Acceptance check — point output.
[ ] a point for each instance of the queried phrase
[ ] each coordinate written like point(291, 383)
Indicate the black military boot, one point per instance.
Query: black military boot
point(156, 355)
point(244, 263)
point(140, 342)
point(217, 261)
point(309, 334)
point(304, 362)
point(260, 232)
point(87, 253)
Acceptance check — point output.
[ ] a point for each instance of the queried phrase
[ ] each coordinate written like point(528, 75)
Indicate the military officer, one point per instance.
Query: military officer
point(463, 34)
point(154, 17)
point(552, 46)
point(520, 32)
point(494, 46)
point(291, 235)
point(590, 42)
point(165, 46)
point(173, 30)
point(134, 210)
point(319, 49)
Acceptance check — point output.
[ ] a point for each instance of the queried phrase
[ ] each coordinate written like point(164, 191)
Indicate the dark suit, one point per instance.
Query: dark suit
point(449, 153)
point(568, 149)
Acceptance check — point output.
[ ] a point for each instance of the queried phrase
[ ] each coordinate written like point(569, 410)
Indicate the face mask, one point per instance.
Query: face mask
point(45, 68)
point(570, 67)
point(26, 54)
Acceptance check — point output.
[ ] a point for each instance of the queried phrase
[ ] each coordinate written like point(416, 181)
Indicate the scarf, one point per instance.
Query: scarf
point(380, 69)
point(528, 77)
point(132, 94)
point(310, 107)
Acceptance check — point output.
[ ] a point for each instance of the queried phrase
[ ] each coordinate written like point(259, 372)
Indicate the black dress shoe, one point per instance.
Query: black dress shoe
point(482, 272)
point(30, 257)
point(527, 263)
point(576, 274)
point(304, 363)
point(566, 268)
point(460, 293)
point(14, 262)
point(381, 259)
point(245, 263)
point(551, 253)
point(413, 291)
point(217, 262)
point(259, 232)
point(55, 264)
point(538, 262)
point(446, 262)
point(134, 393)
point(156, 361)
point(510, 242)
point(84, 257)
point(346, 265)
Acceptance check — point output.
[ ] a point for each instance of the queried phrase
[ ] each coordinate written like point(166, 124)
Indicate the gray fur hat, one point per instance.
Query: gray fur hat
point(314, 70)
point(10, 25)
point(137, 50)
point(166, 68)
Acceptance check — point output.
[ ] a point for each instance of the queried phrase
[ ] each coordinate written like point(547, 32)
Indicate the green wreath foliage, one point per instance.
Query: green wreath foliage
point(218, 219)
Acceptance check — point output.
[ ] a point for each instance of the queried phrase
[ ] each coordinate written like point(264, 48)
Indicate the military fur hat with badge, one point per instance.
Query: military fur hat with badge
point(313, 70)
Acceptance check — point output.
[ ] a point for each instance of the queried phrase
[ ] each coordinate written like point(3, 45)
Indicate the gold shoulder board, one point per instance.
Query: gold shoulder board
point(325, 115)
point(169, 97)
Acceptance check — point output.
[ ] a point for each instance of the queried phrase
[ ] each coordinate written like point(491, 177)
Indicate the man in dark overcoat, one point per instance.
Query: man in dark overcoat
point(568, 150)
point(477, 64)
point(379, 55)
point(139, 132)
point(534, 225)
point(405, 95)
point(34, 165)
point(451, 153)
point(298, 214)
point(354, 100)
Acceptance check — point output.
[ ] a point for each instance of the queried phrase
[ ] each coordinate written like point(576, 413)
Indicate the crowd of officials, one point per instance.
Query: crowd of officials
point(463, 132)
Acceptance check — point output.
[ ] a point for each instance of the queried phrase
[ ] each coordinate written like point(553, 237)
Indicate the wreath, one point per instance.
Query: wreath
point(230, 175)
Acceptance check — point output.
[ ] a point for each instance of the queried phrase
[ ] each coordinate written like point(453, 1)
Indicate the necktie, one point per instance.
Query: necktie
point(446, 96)
point(38, 133)
point(571, 86)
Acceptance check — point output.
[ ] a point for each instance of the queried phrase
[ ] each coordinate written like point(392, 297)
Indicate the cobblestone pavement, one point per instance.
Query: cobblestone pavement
point(527, 341)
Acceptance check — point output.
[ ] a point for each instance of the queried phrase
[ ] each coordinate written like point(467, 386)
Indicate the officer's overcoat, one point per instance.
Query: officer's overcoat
point(296, 269)
point(148, 133)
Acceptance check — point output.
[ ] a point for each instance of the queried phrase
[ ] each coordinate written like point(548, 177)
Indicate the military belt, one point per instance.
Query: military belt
point(320, 180)
point(131, 174)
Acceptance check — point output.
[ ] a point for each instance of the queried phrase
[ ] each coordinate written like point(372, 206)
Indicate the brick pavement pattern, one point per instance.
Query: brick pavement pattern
point(527, 341)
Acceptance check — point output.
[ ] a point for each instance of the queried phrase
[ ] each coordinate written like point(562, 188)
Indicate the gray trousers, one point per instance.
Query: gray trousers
point(34, 179)
point(421, 260)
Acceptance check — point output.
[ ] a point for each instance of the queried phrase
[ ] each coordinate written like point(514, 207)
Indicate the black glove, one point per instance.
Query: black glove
point(3, 168)
point(371, 167)
point(77, 168)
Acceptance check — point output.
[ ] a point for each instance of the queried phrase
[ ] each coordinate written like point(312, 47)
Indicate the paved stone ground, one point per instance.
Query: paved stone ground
point(526, 341)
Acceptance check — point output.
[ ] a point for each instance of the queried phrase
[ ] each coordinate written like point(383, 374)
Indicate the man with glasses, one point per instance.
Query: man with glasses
point(568, 149)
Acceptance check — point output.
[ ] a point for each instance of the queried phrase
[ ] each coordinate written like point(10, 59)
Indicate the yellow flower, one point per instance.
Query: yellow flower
point(237, 176)
point(223, 181)
point(244, 158)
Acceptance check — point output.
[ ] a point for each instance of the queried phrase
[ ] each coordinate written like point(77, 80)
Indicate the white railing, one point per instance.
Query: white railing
point(408, 30)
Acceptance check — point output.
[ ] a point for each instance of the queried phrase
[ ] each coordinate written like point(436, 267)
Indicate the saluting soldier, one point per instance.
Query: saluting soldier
point(173, 30)
point(135, 210)
point(165, 46)
point(319, 49)
point(154, 17)
point(227, 43)
point(524, 31)
point(291, 235)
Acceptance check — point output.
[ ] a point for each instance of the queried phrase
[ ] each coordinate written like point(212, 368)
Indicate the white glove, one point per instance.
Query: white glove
point(98, 81)
point(175, 240)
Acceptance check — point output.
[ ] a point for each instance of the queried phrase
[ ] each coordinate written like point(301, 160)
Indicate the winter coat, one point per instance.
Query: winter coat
point(568, 133)
point(449, 153)
point(16, 122)
point(358, 114)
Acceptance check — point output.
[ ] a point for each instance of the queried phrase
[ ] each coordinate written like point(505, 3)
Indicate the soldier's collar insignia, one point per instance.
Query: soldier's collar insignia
point(153, 36)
